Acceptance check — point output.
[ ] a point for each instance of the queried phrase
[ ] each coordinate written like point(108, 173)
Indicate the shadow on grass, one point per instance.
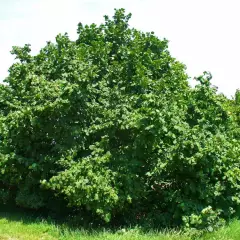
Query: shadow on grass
point(15, 214)
point(68, 223)
point(62, 223)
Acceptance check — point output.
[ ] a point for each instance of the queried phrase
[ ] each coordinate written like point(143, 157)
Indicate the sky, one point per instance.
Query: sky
point(203, 34)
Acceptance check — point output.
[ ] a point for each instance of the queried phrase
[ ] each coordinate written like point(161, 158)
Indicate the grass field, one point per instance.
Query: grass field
point(15, 226)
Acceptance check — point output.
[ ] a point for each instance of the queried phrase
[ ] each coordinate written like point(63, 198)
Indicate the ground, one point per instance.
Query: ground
point(16, 226)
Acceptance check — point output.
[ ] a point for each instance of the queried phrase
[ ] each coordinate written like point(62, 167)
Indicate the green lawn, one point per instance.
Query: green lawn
point(16, 227)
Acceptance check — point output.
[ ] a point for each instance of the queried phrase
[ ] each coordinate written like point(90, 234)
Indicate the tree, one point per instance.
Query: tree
point(108, 123)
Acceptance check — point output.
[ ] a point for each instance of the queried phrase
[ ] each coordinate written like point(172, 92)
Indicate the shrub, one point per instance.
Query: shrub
point(108, 124)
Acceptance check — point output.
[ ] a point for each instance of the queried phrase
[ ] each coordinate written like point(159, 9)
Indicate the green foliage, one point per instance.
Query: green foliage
point(108, 124)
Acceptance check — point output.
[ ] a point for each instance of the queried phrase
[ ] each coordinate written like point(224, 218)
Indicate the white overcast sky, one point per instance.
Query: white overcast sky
point(203, 34)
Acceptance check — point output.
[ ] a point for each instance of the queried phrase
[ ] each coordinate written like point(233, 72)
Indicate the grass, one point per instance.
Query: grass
point(15, 226)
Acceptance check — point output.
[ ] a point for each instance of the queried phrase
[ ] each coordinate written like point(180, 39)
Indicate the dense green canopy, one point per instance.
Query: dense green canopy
point(108, 124)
